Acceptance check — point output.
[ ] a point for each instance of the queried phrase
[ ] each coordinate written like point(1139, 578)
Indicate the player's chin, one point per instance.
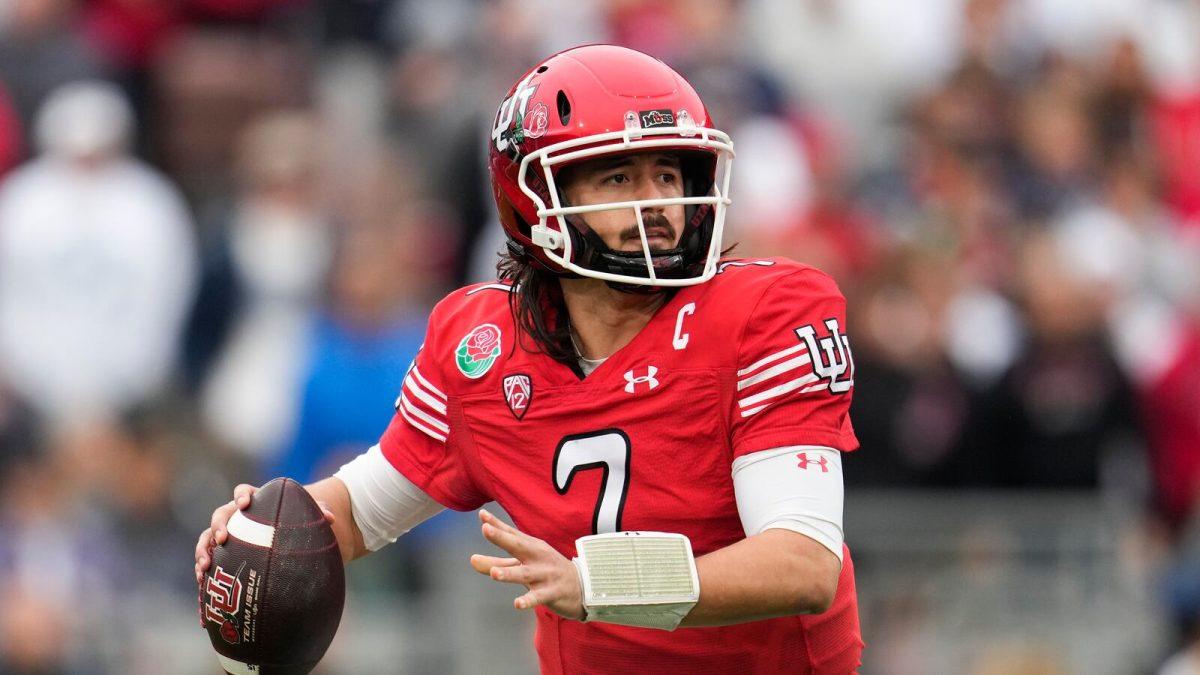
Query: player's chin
point(656, 245)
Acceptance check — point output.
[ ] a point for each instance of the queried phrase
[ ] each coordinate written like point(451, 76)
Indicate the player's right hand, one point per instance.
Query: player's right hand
point(216, 533)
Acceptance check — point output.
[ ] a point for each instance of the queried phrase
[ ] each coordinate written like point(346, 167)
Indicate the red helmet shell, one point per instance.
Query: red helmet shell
point(572, 95)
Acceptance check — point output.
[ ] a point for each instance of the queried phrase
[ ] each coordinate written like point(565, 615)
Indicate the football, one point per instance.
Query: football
point(272, 598)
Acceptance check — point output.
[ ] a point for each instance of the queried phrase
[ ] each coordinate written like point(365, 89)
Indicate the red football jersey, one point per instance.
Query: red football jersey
point(754, 359)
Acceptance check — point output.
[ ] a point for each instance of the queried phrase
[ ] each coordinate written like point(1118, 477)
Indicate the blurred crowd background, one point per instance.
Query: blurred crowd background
point(223, 223)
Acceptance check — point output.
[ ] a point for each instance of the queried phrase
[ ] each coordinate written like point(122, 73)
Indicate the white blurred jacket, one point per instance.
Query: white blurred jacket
point(97, 271)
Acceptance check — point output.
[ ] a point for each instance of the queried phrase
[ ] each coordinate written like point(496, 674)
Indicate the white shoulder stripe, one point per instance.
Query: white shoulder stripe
point(495, 287)
point(779, 390)
point(792, 364)
point(250, 531)
point(421, 427)
point(237, 667)
point(425, 383)
point(770, 359)
point(759, 408)
point(423, 416)
point(411, 384)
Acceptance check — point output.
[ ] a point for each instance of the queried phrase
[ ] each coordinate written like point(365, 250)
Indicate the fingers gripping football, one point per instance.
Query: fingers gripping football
point(551, 579)
point(217, 531)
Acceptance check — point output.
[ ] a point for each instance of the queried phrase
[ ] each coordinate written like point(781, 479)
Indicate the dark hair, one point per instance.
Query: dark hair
point(537, 307)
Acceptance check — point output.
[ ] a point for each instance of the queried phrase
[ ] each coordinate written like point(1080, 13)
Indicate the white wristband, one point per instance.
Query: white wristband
point(645, 579)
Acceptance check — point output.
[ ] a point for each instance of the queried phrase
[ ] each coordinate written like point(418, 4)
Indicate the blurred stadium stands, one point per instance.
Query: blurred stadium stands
point(222, 223)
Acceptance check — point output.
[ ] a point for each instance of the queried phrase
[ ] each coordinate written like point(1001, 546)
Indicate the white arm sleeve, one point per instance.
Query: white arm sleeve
point(797, 488)
point(385, 504)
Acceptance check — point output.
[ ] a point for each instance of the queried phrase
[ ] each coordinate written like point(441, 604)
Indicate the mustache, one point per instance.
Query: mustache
point(651, 221)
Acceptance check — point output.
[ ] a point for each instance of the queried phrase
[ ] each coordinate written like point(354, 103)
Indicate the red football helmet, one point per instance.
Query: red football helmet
point(598, 100)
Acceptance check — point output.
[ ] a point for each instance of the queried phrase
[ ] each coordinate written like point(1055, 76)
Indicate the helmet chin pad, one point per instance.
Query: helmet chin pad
point(686, 259)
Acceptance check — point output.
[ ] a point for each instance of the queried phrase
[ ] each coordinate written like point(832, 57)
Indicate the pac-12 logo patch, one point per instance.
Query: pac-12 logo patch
point(478, 350)
point(518, 393)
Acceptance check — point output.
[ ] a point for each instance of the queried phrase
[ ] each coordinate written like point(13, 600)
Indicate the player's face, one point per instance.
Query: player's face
point(623, 178)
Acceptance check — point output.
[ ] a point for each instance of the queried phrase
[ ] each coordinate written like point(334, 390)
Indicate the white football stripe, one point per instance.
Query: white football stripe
point(411, 383)
point(774, 370)
point(237, 667)
point(425, 383)
point(778, 390)
point(250, 531)
point(421, 427)
point(495, 287)
point(423, 416)
point(770, 359)
point(760, 408)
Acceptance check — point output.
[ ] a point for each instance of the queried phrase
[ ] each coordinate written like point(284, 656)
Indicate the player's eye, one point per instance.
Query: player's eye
point(616, 179)
point(668, 177)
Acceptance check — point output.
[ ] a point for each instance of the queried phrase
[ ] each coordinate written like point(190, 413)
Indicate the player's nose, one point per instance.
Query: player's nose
point(648, 187)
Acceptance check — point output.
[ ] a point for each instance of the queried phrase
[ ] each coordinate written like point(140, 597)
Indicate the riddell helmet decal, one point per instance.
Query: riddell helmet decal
point(478, 350)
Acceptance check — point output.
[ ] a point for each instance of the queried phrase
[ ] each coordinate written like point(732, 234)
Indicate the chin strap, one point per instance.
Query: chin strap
point(591, 252)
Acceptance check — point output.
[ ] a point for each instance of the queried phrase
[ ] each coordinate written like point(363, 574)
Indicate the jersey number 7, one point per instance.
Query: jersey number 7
point(608, 450)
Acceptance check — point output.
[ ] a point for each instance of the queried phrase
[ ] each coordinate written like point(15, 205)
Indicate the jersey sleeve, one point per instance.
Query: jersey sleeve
point(795, 371)
point(421, 441)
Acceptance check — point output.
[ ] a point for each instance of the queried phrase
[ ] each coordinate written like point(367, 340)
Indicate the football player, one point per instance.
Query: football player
point(664, 426)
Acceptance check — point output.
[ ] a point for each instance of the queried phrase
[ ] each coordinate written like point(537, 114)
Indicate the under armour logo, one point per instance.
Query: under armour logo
point(805, 461)
point(631, 382)
point(831, 358)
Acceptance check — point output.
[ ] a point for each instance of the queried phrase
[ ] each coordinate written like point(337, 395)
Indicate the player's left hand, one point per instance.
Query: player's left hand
point(552, 580)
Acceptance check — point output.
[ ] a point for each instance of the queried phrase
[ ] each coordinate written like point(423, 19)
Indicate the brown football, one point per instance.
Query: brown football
point(272, 598)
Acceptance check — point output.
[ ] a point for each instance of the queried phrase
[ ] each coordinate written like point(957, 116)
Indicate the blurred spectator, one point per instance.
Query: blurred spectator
point(1055, 139)
point(853, 61)
point(1065, 406)
point(1176, 123)
point(1124, 244)
point(278, 243)
point(11, 144)
point(209, 85)
point(96, 263)
point(1181, 593)
point(134, 488)
point(360, 349)
point(1006, 191)
point(129, 33)
point(40, 51)
point(912, 409)
point(55, 572)
point(19, 433)
point(1122, 94)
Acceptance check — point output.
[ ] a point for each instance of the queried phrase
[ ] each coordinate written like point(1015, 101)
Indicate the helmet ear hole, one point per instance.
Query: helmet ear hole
point(564, 108)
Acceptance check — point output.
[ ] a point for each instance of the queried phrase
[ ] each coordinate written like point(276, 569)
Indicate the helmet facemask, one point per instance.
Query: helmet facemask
point(705, 160)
